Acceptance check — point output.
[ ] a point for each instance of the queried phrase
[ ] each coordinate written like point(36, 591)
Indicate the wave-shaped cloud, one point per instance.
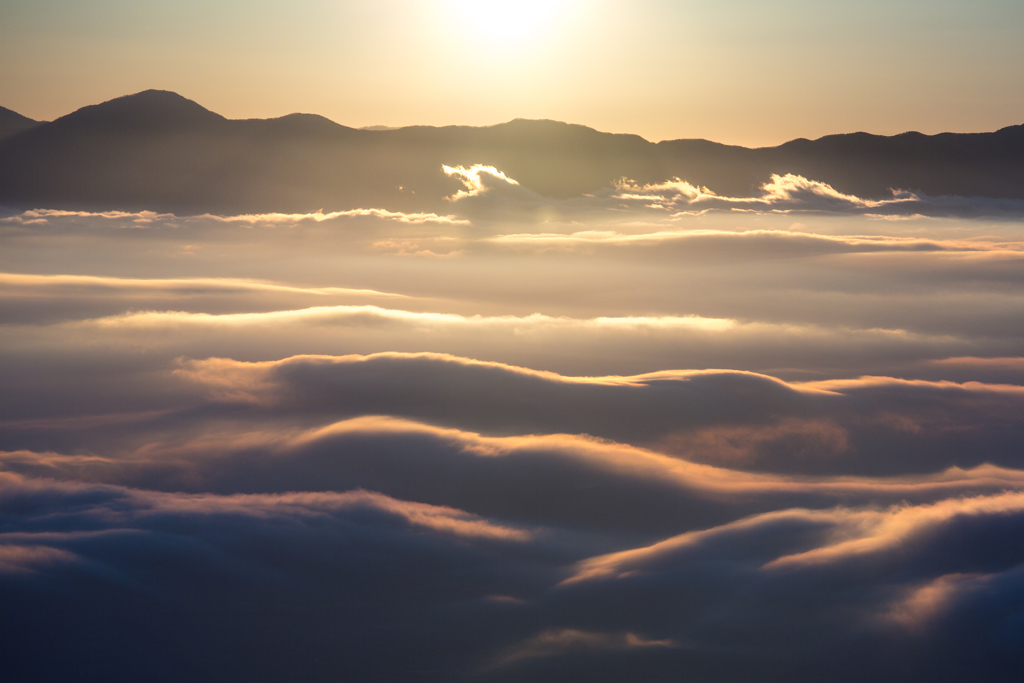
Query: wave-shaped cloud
point(557, 479)
point(539, 549)
point(143, 218)
point(487, 187)
point(488, 193)
point(375, 314)
point(725, 417)
point(553, 597)
point(844, 534)
point(174, 286)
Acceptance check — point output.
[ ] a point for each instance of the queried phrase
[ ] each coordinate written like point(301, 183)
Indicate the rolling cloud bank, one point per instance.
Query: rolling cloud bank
point(648, 433)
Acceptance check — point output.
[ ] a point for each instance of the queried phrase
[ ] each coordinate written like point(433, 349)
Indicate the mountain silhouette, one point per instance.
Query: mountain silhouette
point(11, 123)
point(160, 151)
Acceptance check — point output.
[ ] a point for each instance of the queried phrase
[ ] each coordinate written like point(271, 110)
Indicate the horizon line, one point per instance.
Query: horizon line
point(379, 128)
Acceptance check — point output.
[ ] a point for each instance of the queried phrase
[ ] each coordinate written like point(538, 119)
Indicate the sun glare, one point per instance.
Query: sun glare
point(506, 22)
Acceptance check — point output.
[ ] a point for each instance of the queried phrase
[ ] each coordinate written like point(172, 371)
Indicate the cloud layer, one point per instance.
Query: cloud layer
point(488, 191)
point(650, 434)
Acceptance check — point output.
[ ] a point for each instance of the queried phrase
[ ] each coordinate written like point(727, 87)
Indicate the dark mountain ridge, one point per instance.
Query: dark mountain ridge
point(160, 151)
point(11, 123)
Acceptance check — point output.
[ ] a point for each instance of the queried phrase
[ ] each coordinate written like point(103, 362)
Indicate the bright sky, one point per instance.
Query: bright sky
point(738, 71)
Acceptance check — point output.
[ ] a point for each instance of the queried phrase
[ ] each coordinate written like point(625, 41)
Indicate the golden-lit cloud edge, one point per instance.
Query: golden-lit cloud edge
point(849, 533)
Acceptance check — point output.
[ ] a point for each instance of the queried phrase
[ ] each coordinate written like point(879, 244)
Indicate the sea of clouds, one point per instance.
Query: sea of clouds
point(651, 434)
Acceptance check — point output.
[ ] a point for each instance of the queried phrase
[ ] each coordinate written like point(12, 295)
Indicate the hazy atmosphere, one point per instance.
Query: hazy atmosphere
point(737, 71)
point(522, 383)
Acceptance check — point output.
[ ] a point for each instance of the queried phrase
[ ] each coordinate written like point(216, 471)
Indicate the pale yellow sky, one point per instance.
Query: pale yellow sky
point(737, 71)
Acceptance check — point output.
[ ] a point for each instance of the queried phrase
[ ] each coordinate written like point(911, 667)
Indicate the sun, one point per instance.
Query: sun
point(507, 23)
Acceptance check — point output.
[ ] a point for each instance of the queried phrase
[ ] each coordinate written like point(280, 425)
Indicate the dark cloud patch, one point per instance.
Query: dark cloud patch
point(889, 610)
point(269, 587)
point(255, 588)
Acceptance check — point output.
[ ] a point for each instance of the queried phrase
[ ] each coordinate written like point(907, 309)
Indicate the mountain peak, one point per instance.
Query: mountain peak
point(149, 109)
point(308, 123)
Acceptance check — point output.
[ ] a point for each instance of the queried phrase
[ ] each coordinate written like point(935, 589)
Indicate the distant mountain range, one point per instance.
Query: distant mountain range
point(157, 150)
